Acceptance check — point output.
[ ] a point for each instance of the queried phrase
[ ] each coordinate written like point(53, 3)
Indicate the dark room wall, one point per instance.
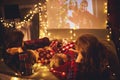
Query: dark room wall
point(114, 22)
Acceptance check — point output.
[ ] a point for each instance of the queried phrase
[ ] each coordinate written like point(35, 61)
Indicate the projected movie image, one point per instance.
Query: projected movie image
point(76, 14)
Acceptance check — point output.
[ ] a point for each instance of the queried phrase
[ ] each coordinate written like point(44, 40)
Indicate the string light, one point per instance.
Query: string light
point(43, 20)
point(27, 18)
point(108, 36)
point(63, 74)
point(105, 7)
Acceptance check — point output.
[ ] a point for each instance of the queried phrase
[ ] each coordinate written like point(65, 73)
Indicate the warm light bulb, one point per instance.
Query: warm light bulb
point(63, 73)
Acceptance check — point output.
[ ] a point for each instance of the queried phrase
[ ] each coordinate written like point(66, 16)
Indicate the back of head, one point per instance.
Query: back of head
point(93, 52)
point(87, 41)
point(14, 38)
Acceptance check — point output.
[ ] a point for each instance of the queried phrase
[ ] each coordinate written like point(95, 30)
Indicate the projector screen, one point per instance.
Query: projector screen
point(76, 14)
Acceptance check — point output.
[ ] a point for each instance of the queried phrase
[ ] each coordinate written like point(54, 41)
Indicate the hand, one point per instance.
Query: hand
point(79, 58)
point(74, 50)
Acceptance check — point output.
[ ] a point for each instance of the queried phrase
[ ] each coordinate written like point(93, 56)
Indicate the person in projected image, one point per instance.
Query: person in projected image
point(83, 18)
point(72, 8)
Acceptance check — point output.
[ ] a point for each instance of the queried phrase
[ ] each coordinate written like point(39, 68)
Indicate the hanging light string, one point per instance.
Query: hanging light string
point(37, 8)
point(108, 27)
point(43, 20)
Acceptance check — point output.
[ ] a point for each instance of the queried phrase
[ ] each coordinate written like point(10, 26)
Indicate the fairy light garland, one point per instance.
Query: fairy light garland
point(72, 34)
point(27, 18)
point(30, 15)
point(109, 32)
point(62, 73)
point(43, 20)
